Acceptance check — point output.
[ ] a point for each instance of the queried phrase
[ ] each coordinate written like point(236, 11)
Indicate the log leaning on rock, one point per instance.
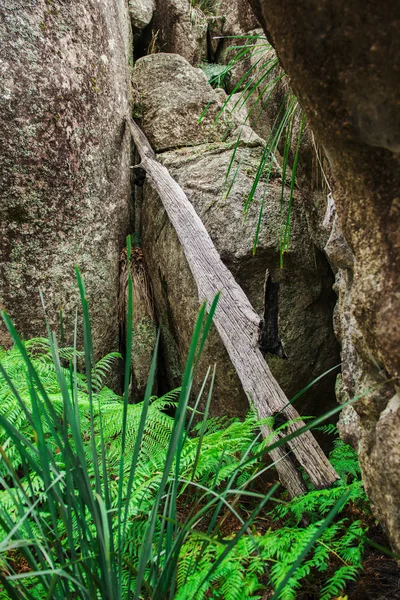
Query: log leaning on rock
point(237, 324)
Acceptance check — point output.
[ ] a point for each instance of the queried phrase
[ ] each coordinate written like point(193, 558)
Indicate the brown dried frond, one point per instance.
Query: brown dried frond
point(141, 284)
point(153, 47)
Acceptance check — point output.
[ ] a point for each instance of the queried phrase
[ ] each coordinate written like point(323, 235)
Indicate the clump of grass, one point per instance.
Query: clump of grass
point(258, 85)
point(217, 75)
point(93, 488)
point(208, 7)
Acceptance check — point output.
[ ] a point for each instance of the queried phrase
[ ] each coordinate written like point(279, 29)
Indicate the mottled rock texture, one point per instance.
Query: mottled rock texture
point(180, 28)
point(195, 30)
point(141, 12)
point(232, 27)
point(64, 154)
point(351, 101)
point(237, 15)
point(306, 299)
point(171, 98)
point(269, 100)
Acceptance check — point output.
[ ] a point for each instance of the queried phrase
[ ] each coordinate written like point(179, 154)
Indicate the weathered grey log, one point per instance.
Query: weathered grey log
point(236, 322)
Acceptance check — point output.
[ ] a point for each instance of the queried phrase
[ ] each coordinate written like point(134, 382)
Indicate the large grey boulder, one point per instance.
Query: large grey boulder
point(64, 161)
point(238, 17)
point(196, 32)
point(232, 23)
point(352, 106)
point(306, 300)
point(264, 105)
point(266, 95)
point(171, 101)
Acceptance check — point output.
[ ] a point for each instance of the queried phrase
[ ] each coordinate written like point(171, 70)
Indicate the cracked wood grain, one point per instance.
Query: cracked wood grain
point(237, 324)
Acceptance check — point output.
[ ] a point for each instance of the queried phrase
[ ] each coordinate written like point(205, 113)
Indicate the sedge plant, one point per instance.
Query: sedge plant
point(256, 89)
point(92, 488)
point(74, 522)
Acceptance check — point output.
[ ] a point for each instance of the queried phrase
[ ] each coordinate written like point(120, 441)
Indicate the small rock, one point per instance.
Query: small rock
point(141, 12)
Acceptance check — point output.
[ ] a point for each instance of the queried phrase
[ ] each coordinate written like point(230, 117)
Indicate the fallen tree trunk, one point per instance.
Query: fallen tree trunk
point(237, 324)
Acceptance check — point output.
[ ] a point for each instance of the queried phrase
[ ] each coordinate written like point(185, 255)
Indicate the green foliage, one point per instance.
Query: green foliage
point(208, 7)
point(259, 82)
point(333, 562)
point(103, 499)
point(223, 446)
point(217, 75)
point(90, 483)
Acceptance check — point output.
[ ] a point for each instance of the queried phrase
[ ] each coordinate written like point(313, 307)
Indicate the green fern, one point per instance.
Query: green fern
point(217, 74)
point(256, 557)
point(277, 550)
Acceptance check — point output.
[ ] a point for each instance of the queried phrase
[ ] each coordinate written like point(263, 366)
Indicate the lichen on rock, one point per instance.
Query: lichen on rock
point(65, 153)
point(351, 102)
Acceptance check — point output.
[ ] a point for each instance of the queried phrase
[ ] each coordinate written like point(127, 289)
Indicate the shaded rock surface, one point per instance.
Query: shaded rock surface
point(233, 20)
point(306, 300)
point(64, 152)
point(352, 106)
point(141, 12)
point(237, 16)
point(141, 312)
point(181, 28)
point(267, 98)
point(199, 31)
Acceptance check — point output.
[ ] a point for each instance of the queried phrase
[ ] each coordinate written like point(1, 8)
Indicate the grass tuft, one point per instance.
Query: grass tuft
point(104, 499)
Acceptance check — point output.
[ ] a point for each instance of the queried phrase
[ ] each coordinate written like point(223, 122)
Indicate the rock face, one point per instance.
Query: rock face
point(171, 102)
point(65, 155)
point(144, 328)
point(233, 26)
point(141, 12)
point(201, 168)
point(352, 106)
point(271, 100)
point(181, 28)
point(238, 17)
point(268, 101)
point(196, 30)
